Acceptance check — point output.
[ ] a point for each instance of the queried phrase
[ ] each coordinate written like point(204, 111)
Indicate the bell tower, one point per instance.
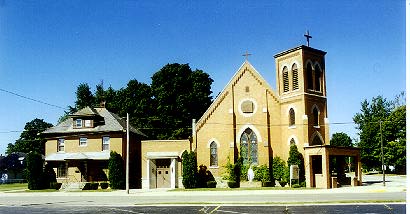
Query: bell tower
point(301, 85)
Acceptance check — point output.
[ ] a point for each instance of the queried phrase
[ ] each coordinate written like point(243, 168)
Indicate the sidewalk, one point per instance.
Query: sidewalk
point(371, 184)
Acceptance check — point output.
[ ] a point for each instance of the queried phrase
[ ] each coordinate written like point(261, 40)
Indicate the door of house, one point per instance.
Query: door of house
point(163, 174)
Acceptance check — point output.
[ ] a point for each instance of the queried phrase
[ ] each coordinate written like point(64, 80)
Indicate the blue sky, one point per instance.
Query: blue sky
point(47, 48)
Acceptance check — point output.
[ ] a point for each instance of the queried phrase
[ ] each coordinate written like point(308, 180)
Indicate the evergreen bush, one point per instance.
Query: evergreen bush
point(116, 174)
point(35, 174)
point(211, 184)
point(189, 171)
point(104, 185)
point(261, 173)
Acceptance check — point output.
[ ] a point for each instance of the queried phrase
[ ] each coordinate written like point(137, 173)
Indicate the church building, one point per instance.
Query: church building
point(250, 119)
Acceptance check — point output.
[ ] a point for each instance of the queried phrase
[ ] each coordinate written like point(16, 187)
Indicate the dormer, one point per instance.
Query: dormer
point(86, 118)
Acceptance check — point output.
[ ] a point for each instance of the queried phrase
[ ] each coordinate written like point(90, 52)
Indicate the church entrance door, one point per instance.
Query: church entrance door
point(163, 173)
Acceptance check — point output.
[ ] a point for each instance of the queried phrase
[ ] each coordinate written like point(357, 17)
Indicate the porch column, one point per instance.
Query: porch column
point(173, 173)
point(325, 169)
point(148, 174)
point(308, 170)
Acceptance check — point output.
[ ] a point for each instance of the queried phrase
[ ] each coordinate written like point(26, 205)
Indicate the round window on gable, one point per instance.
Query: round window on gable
point(247, 107)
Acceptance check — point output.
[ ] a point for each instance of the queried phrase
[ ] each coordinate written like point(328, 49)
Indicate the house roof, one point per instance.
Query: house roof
point(110, 122)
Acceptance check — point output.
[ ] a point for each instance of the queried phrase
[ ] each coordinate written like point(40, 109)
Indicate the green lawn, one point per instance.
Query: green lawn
point(238, 189)
point(13, 187)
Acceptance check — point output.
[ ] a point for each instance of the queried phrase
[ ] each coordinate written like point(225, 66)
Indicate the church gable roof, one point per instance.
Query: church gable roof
point(244, 68)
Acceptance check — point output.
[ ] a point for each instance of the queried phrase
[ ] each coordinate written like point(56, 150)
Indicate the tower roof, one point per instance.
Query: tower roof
point(303, 47)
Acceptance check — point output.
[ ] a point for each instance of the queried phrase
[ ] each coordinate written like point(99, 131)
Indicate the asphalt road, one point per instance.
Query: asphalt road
point(363, 208)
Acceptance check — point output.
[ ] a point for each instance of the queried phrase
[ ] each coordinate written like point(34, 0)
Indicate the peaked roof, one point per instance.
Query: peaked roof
point(112, 123)
point(246, 66)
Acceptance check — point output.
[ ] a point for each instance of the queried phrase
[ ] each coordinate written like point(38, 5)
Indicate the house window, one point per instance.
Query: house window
point(106, 143)
point(83, 141)
point(295, 78)
point(62, 170)
point(285, 79)
point(315, 117)
point(78, 123)
point(60, 145)
point(88, 123)
point(214, 154)
point(291, 117)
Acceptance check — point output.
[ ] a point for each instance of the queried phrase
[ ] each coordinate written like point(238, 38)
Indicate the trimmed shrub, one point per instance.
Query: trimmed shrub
point(189, 170)
point(283, 183)
point(104, 185)
point(262, 173)
point(116, 174)
point(268, 184)
point(295, 186)
point(278, 169)
point(204, 175)
point(296, 158)
point(211, 184)
point(55, 185)
point(233, 184)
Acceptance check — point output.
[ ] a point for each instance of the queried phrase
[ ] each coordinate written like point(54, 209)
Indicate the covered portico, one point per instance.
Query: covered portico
point(162, 170)
point(318, 166)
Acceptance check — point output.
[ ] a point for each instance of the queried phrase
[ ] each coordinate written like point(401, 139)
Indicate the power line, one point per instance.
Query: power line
point(32, 99)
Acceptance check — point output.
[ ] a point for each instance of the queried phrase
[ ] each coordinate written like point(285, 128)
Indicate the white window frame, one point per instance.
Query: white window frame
point(104, 143)
point(88, 123)
point(60, 143)
point(82, 141)
point(78, 123)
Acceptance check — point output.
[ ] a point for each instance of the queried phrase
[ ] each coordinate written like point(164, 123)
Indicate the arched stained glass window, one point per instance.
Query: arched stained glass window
point(213, 154)
point(318, 78)
point(249, 147)
point(285, 79)
point(291, 117)
point(295, 77)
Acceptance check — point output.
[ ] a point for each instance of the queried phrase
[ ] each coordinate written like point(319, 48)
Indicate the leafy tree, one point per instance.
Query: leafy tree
point(180, 95)
point(116, 174)
point(35, 173)
point(395, 133)
point(99, 94)
point(189, 170)
point(391, 116)
point(30, 139)
point(341, 139)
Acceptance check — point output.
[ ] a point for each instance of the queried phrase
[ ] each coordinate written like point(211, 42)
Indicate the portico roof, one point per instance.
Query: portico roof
point(162, 155)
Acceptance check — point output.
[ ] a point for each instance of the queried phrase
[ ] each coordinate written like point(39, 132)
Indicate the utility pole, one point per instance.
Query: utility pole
point(381, 142)
point(127, 162)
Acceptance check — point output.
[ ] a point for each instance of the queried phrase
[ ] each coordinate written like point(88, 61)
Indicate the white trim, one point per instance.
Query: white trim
point(283, 67)
point(311, 63)
point(295, 138)
point(213, 140)
point(295, 62)
point(318, 64)
point(313, 107)
point(255, 109)
point(254, 129)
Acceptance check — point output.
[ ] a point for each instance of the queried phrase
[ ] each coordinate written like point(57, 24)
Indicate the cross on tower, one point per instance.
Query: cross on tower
point(308, 37)
point(246, 55)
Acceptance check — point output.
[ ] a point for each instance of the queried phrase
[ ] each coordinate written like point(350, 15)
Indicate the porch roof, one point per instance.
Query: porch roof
point(162, 155)
point(332, 150)
point(62, 156)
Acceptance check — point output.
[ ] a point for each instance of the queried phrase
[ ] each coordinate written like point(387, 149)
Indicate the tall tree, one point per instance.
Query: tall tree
point(341, 139)
point(30, 139)
point(391, 118)
point(180, 95)
point(84, 96)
